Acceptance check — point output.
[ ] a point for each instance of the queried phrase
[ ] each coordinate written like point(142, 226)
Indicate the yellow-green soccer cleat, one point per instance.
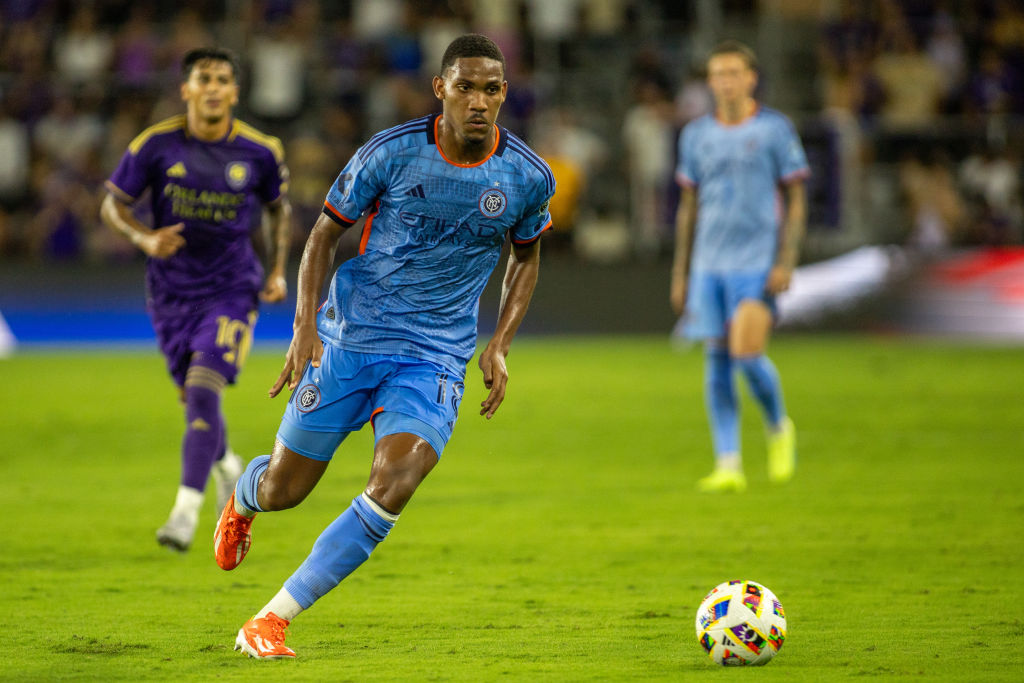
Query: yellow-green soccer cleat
point(723, 480)
point(782, 452)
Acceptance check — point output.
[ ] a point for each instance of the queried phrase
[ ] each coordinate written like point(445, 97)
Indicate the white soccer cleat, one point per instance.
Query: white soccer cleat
point(177, 532)
point(226, 472)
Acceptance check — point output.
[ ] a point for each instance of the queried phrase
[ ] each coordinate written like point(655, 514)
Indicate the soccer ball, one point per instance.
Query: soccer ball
point(741, 622)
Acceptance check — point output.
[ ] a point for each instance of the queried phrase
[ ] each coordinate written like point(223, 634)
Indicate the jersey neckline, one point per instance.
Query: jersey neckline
point(437, 144)
point(749, 117)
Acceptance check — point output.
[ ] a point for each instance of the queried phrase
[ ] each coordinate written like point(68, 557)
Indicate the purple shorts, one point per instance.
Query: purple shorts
point(216, 332)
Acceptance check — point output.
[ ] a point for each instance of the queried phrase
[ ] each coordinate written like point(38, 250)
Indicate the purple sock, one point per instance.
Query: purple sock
point(204, 435)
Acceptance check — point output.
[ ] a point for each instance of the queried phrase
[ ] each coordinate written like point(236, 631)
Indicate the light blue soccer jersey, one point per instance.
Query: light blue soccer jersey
point(737, 170)
point(432, 237)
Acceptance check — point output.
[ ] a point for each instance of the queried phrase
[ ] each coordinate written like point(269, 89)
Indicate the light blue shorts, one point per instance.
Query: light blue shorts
point(712, 299)
point(396, 394)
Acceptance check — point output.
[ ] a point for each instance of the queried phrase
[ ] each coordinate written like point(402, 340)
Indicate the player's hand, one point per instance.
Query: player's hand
point(677, 294)
point(492, 364)
point(274, 289)
point(779, 278)
point(305, 347)
point(163, 242)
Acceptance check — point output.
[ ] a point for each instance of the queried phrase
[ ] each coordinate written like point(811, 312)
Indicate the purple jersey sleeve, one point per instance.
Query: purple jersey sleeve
point(131, 177)
point(273, 179)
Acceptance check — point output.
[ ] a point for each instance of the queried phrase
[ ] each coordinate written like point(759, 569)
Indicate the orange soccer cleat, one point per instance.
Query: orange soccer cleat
point(264, 638)
point(232, 539)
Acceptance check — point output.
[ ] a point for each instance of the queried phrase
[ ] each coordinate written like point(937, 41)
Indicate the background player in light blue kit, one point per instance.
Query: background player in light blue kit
point(731, 258)
point(391, 343)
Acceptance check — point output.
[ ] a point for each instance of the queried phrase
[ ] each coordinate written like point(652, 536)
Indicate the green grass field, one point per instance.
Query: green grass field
point(561, 541)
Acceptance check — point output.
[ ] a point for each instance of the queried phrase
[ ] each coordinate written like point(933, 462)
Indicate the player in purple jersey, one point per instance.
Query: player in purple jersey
point(732, 258)
point(443, 194)
point(210, 178)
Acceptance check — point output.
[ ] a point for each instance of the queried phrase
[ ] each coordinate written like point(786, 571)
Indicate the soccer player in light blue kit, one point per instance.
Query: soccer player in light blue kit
point(391, 342)
point(731, 257)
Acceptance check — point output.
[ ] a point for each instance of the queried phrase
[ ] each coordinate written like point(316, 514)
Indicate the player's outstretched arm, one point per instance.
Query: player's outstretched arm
point(516, 292)
point(686, 218)
point(161, 243)
point(306, 346)
point(279, 217)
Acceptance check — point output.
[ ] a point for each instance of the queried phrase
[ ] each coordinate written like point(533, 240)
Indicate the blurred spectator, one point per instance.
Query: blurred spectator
point(69, 133)
point(438, 27)
point(992, 86)
point(694, 98)
point(572, 139)
point(69, 206)
point(278, 57)
point(604, 20)
point(553, 21)
point(912, 83)
point(945, 49)
point(15, 160)
point(1007, 28)
point(499, 20)
point(83, 53)
point(137, 51)
point(378, 19)
point(991, 182)
point(851, 36)
point(570, 183)
point(187, 31)
point(313, 169)
point(649, 136)
point(935, 208)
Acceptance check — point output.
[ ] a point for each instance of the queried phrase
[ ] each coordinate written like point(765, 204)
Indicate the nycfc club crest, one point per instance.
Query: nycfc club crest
point(493, 203)
point(237, 174)
point(307, 398)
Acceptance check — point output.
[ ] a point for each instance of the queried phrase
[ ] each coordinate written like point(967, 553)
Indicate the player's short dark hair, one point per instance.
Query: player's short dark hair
point(471, 45)
point(203, 54)
point(735, 47)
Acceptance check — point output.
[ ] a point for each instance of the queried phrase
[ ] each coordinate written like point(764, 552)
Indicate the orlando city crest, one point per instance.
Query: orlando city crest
point(493, 203)
point(237, 174)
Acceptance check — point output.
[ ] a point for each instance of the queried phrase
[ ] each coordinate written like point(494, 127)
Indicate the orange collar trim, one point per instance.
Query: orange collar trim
point(437, 143)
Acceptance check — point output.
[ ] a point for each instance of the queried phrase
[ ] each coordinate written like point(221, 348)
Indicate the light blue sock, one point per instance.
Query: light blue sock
point(764, 383)
point(720, 396)
point(248, 483)
point(344, 545)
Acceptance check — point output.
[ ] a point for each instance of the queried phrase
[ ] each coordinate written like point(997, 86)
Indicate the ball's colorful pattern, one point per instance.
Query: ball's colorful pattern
point(741, 622)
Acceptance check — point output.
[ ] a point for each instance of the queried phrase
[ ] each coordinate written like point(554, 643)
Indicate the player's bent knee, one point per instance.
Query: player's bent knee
point(400, 464)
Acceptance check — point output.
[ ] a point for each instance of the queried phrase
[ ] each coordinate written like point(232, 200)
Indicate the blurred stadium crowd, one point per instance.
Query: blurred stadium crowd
point(911, 109)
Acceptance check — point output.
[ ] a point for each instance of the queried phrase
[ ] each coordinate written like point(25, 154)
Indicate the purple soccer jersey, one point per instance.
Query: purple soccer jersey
point(216, 189)
point(203, 299)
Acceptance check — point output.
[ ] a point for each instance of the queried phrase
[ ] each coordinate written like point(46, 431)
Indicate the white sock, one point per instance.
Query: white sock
point(729, 461)
point(283, 605)
point(187, 503)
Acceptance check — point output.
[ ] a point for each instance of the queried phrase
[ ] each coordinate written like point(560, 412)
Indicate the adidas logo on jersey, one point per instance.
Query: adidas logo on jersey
point(177, 171)
point(416, 192)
